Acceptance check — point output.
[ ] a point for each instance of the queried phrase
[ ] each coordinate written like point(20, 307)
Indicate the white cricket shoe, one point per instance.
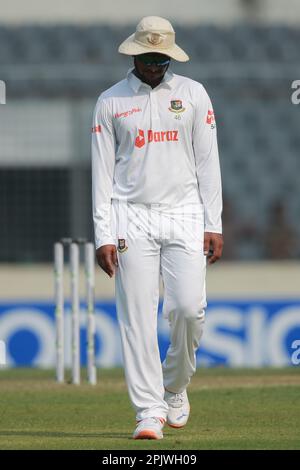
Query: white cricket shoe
point(179, 409)
point(149, 428)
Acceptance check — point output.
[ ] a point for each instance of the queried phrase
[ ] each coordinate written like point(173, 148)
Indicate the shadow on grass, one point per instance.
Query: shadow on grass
point(40, 434)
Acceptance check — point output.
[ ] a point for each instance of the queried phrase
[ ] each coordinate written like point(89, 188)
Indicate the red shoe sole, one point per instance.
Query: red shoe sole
point(146, 435)
point(175, 426)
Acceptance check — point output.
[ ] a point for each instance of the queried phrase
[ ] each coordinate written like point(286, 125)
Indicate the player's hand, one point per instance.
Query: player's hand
point(107, 258)
point(213, 246)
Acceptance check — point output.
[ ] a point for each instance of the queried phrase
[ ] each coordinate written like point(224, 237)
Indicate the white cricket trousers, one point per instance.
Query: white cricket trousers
point(170, 244)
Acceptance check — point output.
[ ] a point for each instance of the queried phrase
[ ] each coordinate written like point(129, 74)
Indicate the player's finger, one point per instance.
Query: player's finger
point(217, 251)
point(115, 258)
point(109, 264)
point(206, 244)
point(106, 263)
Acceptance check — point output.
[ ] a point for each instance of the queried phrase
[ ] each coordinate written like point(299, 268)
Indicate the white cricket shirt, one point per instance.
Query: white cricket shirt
point(155, 146)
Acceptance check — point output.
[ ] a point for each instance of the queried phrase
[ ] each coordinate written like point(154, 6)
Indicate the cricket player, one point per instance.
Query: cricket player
point(157, 207)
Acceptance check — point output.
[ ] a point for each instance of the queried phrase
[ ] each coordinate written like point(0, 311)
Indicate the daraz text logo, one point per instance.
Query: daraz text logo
point(157, 136)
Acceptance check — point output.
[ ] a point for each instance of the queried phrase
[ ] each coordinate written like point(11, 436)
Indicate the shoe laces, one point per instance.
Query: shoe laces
point(177, 400)
point(151, 420)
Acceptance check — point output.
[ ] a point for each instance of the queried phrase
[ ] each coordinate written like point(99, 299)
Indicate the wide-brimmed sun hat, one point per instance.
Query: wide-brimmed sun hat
point(153, 34)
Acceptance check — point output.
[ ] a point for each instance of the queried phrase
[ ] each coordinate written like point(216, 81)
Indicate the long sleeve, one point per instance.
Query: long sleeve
point(103, 164)
point(207, 162)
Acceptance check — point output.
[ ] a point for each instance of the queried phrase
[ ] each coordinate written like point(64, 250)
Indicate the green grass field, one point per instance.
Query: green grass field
point(230, 409)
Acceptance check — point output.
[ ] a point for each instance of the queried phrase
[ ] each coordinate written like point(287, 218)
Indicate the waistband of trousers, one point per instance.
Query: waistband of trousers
point(167, 209)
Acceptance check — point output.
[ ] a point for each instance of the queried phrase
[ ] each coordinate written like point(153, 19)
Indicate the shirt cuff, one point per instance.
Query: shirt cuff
point(105, 241)
point(213, 229)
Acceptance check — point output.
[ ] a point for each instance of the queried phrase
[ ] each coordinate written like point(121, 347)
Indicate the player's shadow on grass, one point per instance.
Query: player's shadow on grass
point(123, 435)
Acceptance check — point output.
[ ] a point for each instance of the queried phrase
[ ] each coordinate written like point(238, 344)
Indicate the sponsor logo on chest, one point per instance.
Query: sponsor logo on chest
point(151, 136)
point(125, 114)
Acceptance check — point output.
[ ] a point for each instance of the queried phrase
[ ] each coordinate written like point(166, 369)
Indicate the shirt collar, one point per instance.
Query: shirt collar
point(135, 83)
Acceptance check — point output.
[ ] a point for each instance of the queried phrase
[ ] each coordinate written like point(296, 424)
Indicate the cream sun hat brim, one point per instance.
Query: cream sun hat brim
point(153, 34)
